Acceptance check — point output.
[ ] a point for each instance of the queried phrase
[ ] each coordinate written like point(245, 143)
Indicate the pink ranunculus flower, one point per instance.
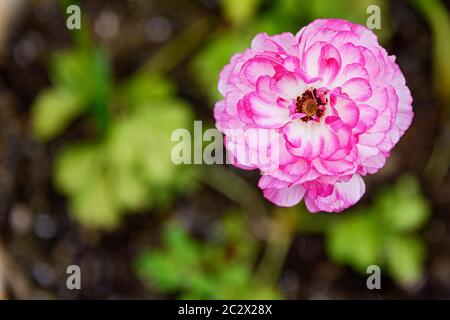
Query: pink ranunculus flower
point(332, 102)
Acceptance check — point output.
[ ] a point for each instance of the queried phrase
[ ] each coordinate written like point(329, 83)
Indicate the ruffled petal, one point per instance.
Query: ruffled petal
point(286, 196)
point(264, 113)
point(344, 195)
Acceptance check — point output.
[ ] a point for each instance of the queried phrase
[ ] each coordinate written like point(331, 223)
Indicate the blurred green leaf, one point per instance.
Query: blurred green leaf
point(438, 18)
point(353, 10)
point(75, 166)
point(278, 16)
point(163, 267)
point(53, 110)
point(145, 87)
point(83, 71)
point(130, 191)
point(209, 62)
point(402, 207)
point(94, 206)
point(81, 83)
point(131, 168)
point(405, 258)
point(383, 234)
point(239, 12)
point(356, 241)
point(197, 270)
point(79, 172)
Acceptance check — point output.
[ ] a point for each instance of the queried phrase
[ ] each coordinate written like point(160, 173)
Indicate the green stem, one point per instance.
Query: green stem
point(234, 188)
point(180, 47)
point(438, 19)
point(279, 241)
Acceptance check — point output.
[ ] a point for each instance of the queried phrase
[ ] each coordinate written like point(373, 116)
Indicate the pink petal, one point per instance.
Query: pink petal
point(344, 195)
point(257, 67)
point(264, 113)
point(355, 70)
point(288, 85)
point(285, 197)
point(351, 54)
point(329, 63)
point(367, 117)
point(311, 59)
point(309, 140)
point(268, 182)
point(347, 111)
point(358, 89)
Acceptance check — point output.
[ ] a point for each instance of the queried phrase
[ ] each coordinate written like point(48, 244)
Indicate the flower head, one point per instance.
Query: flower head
point(327, 106)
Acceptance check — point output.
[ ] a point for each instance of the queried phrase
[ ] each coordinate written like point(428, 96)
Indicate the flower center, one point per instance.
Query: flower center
point(311, 105)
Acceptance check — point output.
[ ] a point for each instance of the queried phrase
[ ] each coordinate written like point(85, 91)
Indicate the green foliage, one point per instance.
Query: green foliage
point(128, 166)
point(197, 270)
point(53, 110)
point(438, 18)
point(207, 64)
point(356, 241)
point(401, 207)
point(82, 82)
point(384, 234)
point(353, 10)
point(85, 71)
point(279, 16)
point(405, 256)
point(239, 12)
point(131, 168)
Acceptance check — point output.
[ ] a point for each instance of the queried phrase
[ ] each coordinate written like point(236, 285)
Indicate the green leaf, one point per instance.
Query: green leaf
point(356, 241)
point(79, 172)
point(131, 167)
point(148, 158)
point(94, 207)
point(198, 270)
point(239, 12)
point(384, 233)
point(144, 88)
point(238, 283)
point(209, 62)
point(75, 167)
point(129, 190)
point(438, 17)
point(403, 207)
point(301, 12)
point(405, 258)
point(156, 162)
point(85, 72)
point(52, 111)
point(163, 268)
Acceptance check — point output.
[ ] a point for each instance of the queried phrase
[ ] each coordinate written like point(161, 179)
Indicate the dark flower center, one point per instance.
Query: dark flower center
point(311, 105)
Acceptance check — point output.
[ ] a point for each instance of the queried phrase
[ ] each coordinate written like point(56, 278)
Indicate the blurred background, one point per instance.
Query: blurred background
point(86, 177)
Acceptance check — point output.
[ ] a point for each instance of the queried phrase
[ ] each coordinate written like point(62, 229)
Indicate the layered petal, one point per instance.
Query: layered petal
point(344, 194)
point(313, 112)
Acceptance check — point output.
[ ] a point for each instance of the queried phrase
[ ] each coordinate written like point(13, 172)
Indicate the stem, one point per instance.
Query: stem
point(241, 192)
point(283, 228)
point(180, 47)
point(435, 12)
point(278, 244)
